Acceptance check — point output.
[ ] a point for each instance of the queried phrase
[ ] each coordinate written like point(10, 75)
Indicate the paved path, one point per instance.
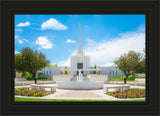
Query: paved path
point(79, 94)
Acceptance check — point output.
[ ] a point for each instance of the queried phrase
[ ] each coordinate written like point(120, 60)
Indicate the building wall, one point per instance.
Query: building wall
point(80, 59)
point(50, 70)
point(110, 70)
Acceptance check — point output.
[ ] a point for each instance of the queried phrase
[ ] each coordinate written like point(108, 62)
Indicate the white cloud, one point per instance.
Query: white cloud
point(141, 28)
point(103, 53)
point(26, 40)
point(70, 41)
point(24, 24)
point(53, 24)
point(39, 48)
point(64, 63)
point(44, 42)
point(16, 52)
point(18, 30)
point(16, 37)
point(20, 41)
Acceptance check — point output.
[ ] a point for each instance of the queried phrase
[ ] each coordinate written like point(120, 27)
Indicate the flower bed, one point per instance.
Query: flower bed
point(132, 93)
point(25, 91)
point(141, 78)
point(18, 77)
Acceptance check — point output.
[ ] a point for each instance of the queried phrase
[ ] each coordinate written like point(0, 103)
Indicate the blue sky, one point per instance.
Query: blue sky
point(104, 37)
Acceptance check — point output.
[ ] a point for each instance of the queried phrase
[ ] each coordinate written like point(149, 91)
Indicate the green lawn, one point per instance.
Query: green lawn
point(19, 99)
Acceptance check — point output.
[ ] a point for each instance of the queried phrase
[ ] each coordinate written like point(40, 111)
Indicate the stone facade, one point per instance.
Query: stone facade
point(80, 59)
point(110, 70)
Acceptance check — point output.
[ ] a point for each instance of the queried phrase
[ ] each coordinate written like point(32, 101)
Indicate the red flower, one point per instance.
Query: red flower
point(137, 94)
point(113, 92)
point(122, 95)
point(131, 94)
point(25, 95)
point(116, 94)
point(32, 93)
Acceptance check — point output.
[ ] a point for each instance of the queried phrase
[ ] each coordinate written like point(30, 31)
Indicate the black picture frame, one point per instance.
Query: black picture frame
point(149, 7)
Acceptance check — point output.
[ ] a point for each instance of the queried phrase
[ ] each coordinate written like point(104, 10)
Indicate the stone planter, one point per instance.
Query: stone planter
point(20, 79)
point(140, 80)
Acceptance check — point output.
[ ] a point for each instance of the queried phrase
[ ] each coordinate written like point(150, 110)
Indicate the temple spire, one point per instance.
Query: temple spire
point(79, 34)
point(80, 49)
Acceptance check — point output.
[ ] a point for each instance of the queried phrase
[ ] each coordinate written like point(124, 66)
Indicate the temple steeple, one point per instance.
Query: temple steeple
point(80, 49)
point(79, 34)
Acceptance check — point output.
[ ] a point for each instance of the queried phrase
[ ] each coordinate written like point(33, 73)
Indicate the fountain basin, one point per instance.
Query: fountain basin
point(80, 84)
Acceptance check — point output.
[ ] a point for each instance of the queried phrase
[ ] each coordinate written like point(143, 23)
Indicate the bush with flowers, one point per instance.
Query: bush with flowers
point(132, 93)
point(26, 91)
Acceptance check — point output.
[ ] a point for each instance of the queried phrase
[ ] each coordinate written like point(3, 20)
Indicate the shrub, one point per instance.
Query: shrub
point(27, 75)
point(29, 78)
point(40, 74)
point(47, 79)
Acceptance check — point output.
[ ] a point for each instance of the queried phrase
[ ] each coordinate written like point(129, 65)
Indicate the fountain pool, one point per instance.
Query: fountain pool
point(80, 83)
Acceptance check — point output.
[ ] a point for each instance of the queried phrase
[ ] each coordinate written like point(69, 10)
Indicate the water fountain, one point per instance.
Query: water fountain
point(79, 77)
point(80, 83)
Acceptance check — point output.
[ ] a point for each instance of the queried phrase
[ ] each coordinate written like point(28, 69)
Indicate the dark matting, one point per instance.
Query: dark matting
point(11, 7)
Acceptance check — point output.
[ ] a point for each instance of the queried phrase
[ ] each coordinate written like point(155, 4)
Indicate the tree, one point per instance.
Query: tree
point(128, 63)
point(30, 61)
point(94, 72)
point(141, 67)
point(65, 72)
point(53, 65)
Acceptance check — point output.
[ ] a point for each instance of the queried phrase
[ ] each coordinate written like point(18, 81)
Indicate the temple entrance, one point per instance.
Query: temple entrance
point(79, 65)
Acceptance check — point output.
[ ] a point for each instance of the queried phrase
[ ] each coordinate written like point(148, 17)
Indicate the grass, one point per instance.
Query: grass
point(19, 99)
point(117, 79)
point(40, 80)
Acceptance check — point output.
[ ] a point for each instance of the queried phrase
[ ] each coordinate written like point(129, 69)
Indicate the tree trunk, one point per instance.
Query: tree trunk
point(125, 81)
point(34, 76)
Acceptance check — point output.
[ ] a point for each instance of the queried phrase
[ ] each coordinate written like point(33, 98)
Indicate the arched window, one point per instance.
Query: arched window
point(113, 72)
point(109, 72)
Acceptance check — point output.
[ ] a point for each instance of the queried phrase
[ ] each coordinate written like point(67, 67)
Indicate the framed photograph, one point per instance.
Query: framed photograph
point(80, 57)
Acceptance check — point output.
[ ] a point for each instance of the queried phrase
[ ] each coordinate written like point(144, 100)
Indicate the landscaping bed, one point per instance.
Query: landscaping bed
point(26, 91)
point(40, 79)
point(117, 79)
point(132, 93)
